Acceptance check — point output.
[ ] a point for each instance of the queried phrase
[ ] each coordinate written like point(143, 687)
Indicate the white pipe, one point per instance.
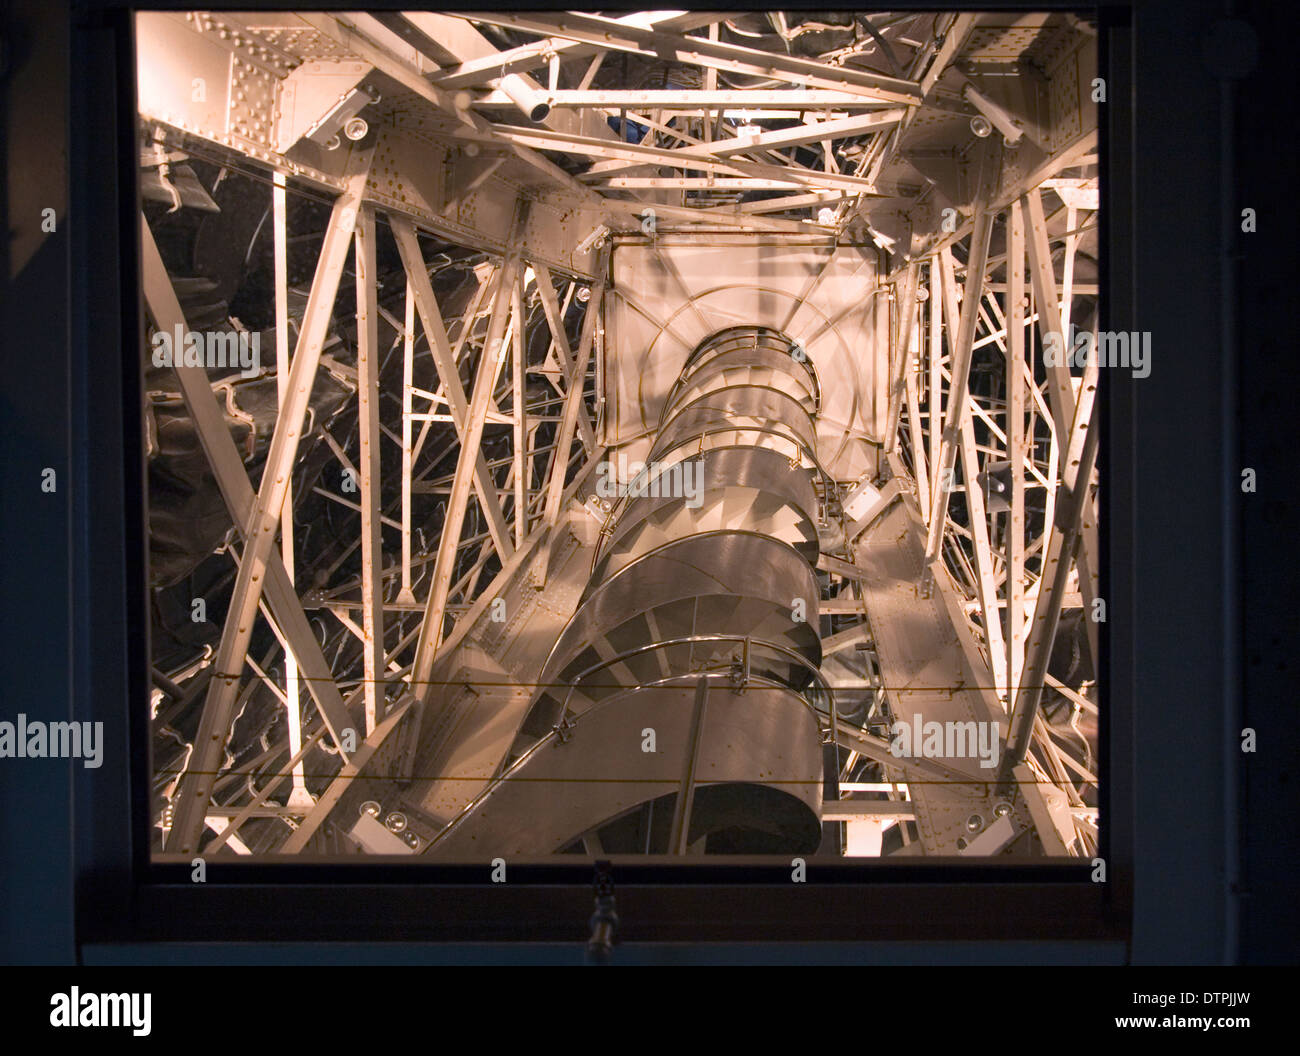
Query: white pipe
point(534, 104)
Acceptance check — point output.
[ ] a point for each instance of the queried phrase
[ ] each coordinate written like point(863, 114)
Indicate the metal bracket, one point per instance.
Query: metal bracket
point(740, 670)
point(318, 99)
point(561, 729)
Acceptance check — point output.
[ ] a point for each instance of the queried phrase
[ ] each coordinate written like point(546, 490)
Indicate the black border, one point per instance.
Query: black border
point(1181, 872)
point(1180, 846)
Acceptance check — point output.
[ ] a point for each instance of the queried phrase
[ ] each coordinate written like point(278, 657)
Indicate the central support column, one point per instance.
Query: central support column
point(702, 587)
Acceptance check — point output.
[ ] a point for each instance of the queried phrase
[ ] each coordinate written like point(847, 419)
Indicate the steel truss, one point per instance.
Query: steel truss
point(986, 455)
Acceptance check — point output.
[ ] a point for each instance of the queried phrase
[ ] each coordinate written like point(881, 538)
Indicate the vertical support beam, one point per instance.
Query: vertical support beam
point(298, 796)
point(506, 340)
point(987, 589)
point(913, 388)
point(564, 437)
point(237, 491)
point(557, 382)
point(417, 276)
point(710, 85)
point(1086, 555)
point(1049, 504)
point(961, 344)
point(1089, 579)
point(985, 585)
point(517, 368)
point(681, 828)
point(470, 452)
point(1067, 275)
point(1059, 390)
point(372, 551)
point(555, 320)
point(406, 595)
point(1015, 545)
point(1076, 494)
point(879, 369)
point(936, 385)
point(195, 787)
point(900, 349)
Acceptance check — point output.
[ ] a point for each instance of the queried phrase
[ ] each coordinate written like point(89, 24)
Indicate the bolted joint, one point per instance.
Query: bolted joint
point(562, 730)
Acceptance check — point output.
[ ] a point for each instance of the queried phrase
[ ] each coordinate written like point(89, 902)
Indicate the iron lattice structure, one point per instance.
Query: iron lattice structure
point(438, 286)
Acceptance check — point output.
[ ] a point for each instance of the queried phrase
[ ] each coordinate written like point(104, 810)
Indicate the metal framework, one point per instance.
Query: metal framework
point(531, 210)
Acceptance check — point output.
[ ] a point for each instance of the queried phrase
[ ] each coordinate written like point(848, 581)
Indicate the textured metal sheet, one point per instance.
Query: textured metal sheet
point(723, 467)
point(733, 565)
point(932, 668)
point(761, 366)
point(562, 789)
point(726, 281)
point(738, 407)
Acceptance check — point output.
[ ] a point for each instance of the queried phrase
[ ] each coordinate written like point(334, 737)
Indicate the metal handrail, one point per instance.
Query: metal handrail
point(748, 642)
point(562, 726)
point(615, 510)
point(713, 343)
point(684, 381)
